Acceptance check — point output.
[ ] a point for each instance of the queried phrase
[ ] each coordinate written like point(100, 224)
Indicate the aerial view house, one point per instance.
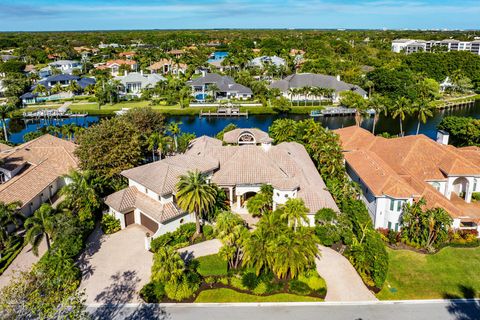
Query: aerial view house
point(64, 80)
point(240, 164)
point(33, 172)
point(311, 80)
point(264, 61)
point(114, 66)
point(394, 171)
point(408, 46)
point(134, 82)
point(66, 66)
point(223, 87)
point(167, 66)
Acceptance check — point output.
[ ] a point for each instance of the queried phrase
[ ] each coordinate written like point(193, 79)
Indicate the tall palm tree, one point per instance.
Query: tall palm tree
point(378, 104)
point(424, 110)
point(306, 92)
point(167, 265)
point(9, 215)
point(294, 212)
point(5, 110)
point(174, 128)
point(401, 108)
point(57, 88)
point(40, 89)
point(40, 226)
point(195, 195)
point(213, 88)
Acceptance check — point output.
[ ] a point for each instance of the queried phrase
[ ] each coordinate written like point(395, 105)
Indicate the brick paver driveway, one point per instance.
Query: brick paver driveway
point(115, 267)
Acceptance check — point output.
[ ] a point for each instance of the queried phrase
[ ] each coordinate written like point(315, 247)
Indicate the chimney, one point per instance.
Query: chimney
point(338, 77)
point(442, 137)
point(266, 144)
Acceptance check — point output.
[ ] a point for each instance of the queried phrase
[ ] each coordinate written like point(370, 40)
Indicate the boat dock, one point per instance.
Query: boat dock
point(61, 112)
point(224, 112)
point(338, 112)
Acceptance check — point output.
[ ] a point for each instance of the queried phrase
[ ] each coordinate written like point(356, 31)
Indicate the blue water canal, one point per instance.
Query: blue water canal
point(211, 126)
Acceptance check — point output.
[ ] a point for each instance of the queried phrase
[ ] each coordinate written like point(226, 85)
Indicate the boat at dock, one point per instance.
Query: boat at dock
point(338, 111)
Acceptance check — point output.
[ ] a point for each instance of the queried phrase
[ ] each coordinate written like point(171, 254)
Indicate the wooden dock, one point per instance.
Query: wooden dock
point(224, 112)
point(337, 112)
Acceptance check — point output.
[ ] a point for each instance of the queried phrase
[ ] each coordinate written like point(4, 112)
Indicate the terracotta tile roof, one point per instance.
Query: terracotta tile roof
point(166, 62)
point(387, 166)
point(128, 199)
point(46, 159)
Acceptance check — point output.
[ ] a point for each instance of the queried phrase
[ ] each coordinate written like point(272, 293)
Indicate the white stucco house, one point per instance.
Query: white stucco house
point(392, 172)
point(226, 87)
point(134, 83)
point(240, 164)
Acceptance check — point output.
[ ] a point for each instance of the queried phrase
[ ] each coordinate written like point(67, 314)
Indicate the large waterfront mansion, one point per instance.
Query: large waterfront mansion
point(240, 164)
point(394, 171)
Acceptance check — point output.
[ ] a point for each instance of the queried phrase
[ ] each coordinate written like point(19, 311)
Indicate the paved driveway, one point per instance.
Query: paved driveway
point(115, 267)
point(343, 281)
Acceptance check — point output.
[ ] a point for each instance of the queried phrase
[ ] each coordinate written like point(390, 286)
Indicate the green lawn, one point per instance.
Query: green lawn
point(417, 276)
point(212, 265)
point(229, 295)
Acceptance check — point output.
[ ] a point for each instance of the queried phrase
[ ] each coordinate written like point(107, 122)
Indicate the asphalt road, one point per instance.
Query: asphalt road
point(393, 310)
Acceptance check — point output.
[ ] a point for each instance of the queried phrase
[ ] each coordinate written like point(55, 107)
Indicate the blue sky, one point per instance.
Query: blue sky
point(43, 15)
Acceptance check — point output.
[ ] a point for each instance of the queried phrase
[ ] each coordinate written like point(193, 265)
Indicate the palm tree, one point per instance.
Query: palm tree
point(195, 195)
point(401, 108)
point(9, 215)
point(80, 195)
point(378, 104)
point(294, 212)
point(306, 92)
point(174, 128)
point(154, 143)
point(57, 88)
point(74, 87)
point(5, 110)
point(167, 265)
point(213, 88)
point(40, 89)
point(423, 109)
point(40, 226)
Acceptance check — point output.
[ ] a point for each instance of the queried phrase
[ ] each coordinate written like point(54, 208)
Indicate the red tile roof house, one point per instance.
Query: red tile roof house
point(114, 66)
point(394, 171)
point(239, 164)
point(33, 172)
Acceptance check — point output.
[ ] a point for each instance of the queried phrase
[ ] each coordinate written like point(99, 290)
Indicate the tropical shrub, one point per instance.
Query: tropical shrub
point(260, 289)
point(237, 282)
point(463, 237)
point(298, 287)
point(250, 280)
point(181, 289)
point(110, 224)
point(231, 230)
point(476, 196)
point(178, 238)
point(153, 292)
point(313, 280)
point(427, 228)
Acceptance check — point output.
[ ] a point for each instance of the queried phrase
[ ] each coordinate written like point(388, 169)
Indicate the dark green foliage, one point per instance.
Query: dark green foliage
point(153, 292)
point(298, 287)
point(12, 66)
point(229, 127)
point(463, 131)
point(476, 196)
point(250, 280)
point(182, 235)
point(110, 224)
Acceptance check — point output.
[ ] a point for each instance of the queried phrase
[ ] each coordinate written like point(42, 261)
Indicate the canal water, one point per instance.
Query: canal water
point(211, 126)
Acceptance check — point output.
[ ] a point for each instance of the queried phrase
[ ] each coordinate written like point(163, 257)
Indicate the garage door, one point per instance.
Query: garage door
point(148, 223)
point(129, 218)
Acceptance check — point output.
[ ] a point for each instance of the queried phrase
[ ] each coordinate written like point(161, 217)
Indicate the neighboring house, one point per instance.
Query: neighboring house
point(64, 80)
point(394, 171)
point(167, 66)
point(134, 82)
point(33, 172)
point(66, 66)
point(2, 88)
point(7, 57)
point(240, 169)
point(262, 62)
point(127, 54)
point(411, 46)
point(176, 53)
point(114, 66)
point(226, 87)
point(302, 80)
point(108, 45)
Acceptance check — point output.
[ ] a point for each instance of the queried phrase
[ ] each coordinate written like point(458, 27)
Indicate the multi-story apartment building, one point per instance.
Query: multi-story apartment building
point(410, 46)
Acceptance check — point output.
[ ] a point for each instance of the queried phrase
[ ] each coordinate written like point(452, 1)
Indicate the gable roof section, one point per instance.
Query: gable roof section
point(233, 135)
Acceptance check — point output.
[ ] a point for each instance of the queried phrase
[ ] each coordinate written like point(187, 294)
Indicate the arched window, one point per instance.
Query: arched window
point(436, 185)
point(246, 138)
